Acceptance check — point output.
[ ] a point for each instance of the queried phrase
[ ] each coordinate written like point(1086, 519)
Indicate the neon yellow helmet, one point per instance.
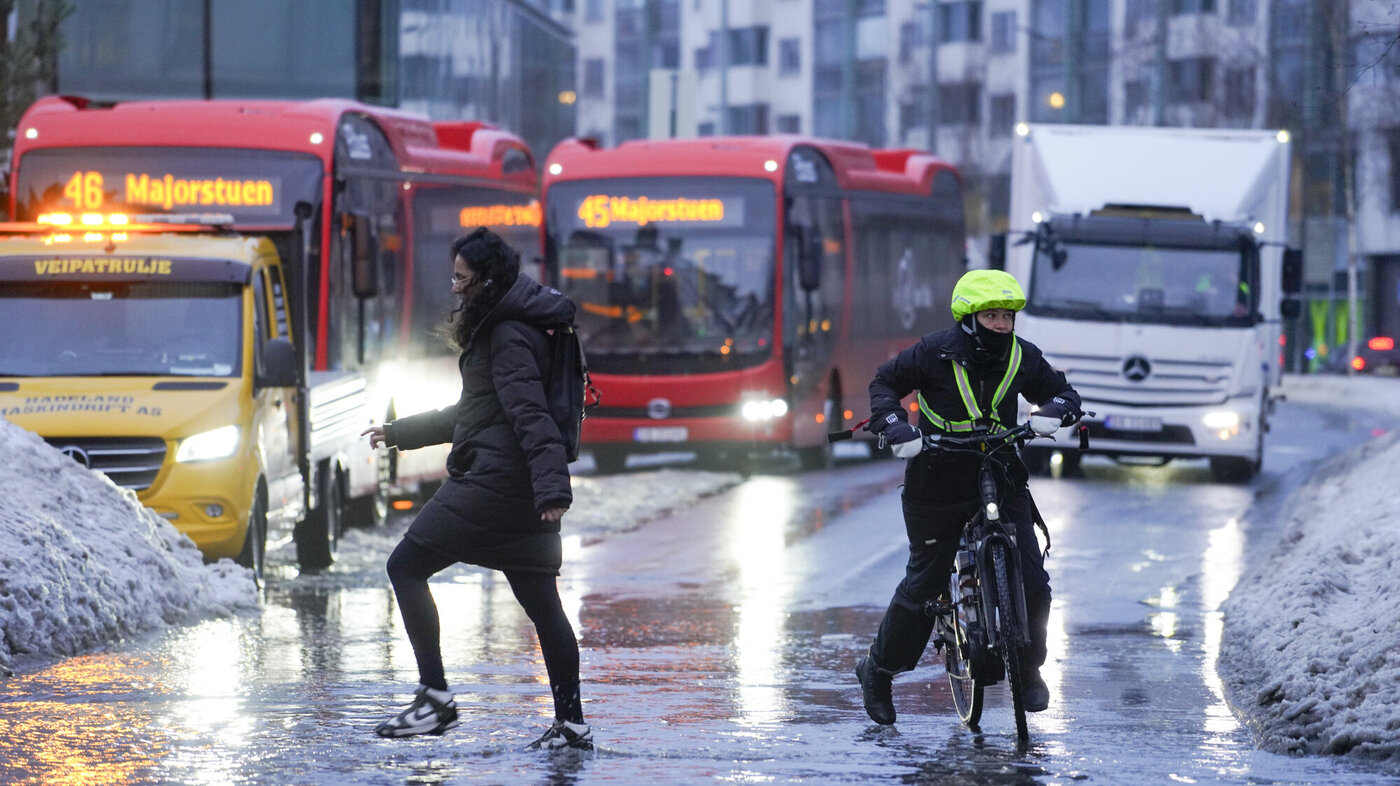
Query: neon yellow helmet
point(979, 290)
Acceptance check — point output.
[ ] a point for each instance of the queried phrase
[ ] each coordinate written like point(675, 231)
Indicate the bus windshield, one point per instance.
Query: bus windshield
point(667, 266)
point(86, 329)
point(1153, 284)
point(257, 187)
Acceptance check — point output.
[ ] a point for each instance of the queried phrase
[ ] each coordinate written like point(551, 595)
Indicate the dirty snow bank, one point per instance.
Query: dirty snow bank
point(1311, 651)
point(83, 563)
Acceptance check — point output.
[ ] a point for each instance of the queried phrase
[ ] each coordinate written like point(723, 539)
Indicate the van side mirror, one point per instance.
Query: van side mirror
point(996, 251)
point(1292, 271)
point(1290, 308)
point(279, 364)
point(364, 251)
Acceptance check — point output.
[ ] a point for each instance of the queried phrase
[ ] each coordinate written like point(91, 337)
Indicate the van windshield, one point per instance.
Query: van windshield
point(84, 329)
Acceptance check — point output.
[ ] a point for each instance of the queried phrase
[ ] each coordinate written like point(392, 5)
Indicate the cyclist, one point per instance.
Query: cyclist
point(968, 376)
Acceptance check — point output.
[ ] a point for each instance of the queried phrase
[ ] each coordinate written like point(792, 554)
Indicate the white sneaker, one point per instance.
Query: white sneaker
point(565, 734)
point(432, 712)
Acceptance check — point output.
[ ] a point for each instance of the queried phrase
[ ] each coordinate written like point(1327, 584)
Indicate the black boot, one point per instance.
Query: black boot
point(875, 684)
point(1035, 694)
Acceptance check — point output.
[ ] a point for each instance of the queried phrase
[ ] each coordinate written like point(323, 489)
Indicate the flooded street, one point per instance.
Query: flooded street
point(717, 644)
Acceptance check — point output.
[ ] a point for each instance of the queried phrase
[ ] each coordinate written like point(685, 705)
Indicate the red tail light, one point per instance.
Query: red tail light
point(1381, 343)
point(1358, 363)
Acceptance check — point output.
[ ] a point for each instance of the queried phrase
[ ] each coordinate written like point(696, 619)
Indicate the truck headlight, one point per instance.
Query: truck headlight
point(1224, 423)
point(216, 444)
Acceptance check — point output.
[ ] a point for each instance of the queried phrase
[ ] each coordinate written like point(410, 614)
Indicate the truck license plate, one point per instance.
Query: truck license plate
point(661, 434)
point(1132, 423)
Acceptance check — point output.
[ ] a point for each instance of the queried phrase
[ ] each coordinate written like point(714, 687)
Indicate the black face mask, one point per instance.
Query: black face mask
point(987, 344)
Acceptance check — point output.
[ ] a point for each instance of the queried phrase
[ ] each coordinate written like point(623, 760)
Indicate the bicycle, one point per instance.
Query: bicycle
point(981, 625)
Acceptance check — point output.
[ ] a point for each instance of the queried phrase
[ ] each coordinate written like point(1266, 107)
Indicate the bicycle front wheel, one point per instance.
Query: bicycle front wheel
point(1009, 628)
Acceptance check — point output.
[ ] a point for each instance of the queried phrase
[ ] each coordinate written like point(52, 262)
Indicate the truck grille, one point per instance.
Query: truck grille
point(131, 462)
point(1168, 383)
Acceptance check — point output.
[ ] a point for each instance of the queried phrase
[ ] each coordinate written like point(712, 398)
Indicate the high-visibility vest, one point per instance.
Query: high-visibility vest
point(974, 412)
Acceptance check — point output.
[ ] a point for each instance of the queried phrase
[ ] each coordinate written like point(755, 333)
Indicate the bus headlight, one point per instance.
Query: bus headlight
point(210, 445)
point(758, 410)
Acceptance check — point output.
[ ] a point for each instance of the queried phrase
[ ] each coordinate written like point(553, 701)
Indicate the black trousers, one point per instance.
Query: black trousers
point(410, 567)
point(933, 533)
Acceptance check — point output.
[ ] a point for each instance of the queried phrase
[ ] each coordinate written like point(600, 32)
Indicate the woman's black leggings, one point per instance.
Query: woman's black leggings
point(410, 567)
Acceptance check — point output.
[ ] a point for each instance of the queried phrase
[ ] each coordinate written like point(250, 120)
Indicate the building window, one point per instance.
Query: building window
point(1003, 111)
point(960, 21)
point(1004, 32)
point(1179, 7)
point(748, 46)
point(592, 10)
point(910, 37)
point(959, 103)
point(1134, 100)
point(788, 124)
point(1189, 81)
point(593, 78)
point(1239, 92)
point(1393, 142)
point(747, 119)
point(706, 128)
point(704, 58)
point(790, 56)
point(1241, 12)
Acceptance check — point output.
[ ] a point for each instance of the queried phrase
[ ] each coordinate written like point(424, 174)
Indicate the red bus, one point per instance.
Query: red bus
point(382, 193)
point(737, 293)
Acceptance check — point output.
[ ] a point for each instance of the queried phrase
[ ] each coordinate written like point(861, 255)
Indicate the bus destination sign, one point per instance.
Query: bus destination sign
point(601, 210)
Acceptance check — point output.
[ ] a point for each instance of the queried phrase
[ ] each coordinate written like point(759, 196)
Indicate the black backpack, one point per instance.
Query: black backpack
point(568, 390)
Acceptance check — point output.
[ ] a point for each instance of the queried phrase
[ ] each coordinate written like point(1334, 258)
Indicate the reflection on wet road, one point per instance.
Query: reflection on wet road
point(717, 645)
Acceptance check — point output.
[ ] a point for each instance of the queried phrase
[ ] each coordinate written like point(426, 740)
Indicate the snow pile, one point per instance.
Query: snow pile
point(1311, 652)
point(617, 503)
point(83, 563)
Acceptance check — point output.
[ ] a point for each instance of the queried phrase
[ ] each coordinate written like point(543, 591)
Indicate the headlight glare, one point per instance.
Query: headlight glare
point(209, 445)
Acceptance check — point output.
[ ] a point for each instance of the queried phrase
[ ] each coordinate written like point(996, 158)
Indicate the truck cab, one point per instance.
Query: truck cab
point(162, 356)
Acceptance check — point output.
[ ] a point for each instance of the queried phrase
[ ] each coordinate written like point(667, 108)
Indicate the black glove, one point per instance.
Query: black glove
point(1067, 411)
point(899, 432)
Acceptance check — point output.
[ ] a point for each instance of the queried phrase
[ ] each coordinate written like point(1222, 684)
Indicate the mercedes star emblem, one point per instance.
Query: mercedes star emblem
point(1136, 368)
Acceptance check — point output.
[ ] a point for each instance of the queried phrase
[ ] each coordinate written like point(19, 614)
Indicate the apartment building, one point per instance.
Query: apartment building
point(885, 72)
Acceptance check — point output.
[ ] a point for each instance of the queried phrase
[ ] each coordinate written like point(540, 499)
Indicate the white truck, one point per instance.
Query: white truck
point(1156, 273)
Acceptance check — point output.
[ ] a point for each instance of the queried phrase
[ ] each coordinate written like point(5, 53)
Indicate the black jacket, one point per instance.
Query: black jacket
point(507, 463)
point(927, 367)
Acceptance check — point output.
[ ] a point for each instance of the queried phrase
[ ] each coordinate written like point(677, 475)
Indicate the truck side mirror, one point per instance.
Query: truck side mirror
point(364, 250)
point(279, 364)
point(1292, 271)
point(1290, 308)
point(996, 252)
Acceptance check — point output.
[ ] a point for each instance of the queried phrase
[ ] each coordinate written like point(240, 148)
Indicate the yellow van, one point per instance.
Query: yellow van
point(163, 357)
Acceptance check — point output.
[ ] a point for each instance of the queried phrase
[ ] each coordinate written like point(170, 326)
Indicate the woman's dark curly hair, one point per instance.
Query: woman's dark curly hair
point(492, 261)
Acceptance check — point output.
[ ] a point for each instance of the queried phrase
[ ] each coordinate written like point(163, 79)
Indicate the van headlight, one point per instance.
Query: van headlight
point(210, 445)
point(758, 410)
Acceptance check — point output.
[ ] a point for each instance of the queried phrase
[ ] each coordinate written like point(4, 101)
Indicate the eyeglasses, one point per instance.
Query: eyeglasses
point(460, 281)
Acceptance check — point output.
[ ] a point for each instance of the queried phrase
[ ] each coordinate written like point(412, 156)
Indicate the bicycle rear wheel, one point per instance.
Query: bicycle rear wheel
point(957, 662)
point(1009, 626)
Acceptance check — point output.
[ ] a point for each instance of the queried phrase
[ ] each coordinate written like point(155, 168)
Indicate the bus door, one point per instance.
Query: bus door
point(367, 242)
point(814, 272)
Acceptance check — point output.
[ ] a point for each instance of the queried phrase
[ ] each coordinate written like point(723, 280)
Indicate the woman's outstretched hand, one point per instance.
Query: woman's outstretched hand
point(376, 435)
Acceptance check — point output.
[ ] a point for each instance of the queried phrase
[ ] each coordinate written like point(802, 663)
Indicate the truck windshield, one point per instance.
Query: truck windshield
point(68, 329)
point(680, 267)
point(1154, 284)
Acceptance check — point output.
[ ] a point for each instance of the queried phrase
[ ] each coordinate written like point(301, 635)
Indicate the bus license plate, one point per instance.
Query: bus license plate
point(1132, 423)
point(661, 434)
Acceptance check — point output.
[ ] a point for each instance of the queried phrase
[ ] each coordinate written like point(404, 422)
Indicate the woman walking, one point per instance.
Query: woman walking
point(507, 486)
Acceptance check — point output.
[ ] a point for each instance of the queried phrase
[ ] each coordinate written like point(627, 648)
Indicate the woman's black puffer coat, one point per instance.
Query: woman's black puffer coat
point(507, 462)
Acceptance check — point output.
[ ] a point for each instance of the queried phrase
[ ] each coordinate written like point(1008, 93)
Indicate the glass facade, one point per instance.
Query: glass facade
point(506, 62)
